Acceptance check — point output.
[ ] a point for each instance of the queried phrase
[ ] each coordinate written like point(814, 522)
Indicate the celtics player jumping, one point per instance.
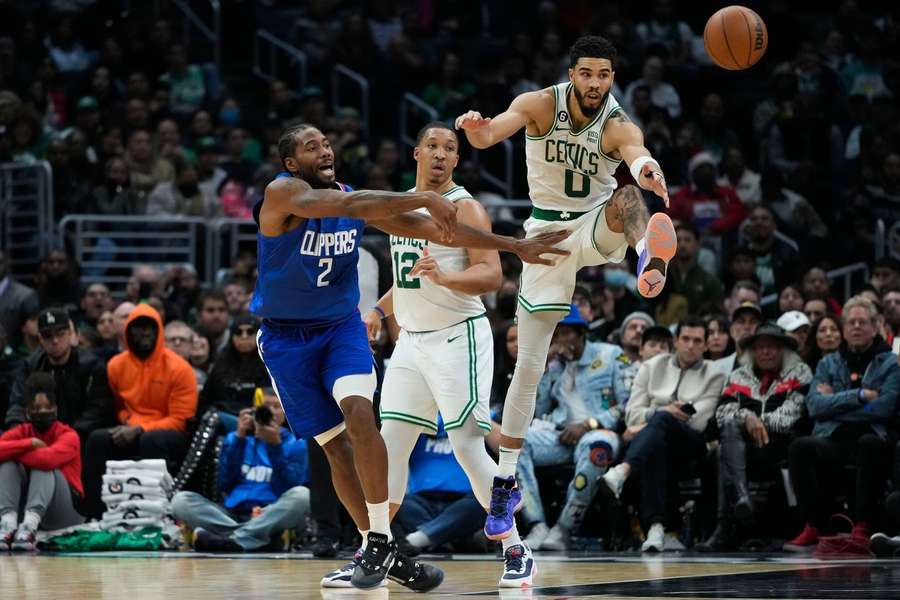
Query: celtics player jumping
point(444, 356)
point(576, 134)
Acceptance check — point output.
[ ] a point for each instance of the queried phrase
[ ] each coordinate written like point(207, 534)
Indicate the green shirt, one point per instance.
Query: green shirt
point(699, 287)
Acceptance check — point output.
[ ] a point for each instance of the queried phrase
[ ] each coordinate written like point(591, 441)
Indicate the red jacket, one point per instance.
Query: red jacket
point(157, 393)
point(720, 212)
point(63, 451)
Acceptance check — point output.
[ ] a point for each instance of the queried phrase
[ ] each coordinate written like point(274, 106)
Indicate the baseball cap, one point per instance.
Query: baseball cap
point(792, 320)
point(747, 307)
point(574, 318)
point(53, 319)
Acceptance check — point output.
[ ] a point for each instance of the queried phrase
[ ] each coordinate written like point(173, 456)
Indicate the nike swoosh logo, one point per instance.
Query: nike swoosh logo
point(453, 339)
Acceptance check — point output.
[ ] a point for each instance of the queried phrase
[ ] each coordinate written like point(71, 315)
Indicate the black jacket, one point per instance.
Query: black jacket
point(83, 398)
point(11, 368)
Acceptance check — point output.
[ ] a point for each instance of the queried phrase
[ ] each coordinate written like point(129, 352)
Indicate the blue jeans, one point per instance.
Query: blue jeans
point(441, 520)
point(288, 512)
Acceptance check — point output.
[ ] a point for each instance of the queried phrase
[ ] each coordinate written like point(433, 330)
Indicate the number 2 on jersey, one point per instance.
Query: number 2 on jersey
point(403, 264)
point(570, 185)
point(328, 263)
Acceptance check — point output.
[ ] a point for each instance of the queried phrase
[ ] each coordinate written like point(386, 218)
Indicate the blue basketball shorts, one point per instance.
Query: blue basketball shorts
point(304, 362)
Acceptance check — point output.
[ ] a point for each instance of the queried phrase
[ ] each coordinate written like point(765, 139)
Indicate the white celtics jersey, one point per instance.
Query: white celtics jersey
point(567, 170)
point(420, 305)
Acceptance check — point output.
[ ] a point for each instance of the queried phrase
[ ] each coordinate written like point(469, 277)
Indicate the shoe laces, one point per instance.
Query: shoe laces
point(500, 502)
point(374, 555)
point(513, 558)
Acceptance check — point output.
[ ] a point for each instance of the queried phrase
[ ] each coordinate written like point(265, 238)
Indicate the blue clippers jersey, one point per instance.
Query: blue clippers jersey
point(309, 273)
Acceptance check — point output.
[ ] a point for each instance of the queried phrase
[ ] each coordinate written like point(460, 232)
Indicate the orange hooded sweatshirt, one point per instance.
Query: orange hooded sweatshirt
point(157, 393)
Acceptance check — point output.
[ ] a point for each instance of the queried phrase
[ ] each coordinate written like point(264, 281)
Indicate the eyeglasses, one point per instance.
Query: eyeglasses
point(246, 332)
point(859, 322)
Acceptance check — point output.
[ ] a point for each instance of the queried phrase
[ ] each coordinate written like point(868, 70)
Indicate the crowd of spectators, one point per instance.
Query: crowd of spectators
point(749, 367)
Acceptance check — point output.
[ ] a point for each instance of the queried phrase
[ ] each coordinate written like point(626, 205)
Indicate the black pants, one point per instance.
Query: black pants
point(161, 443)
point(817, 468)
point(659, 448)
point(323, 501)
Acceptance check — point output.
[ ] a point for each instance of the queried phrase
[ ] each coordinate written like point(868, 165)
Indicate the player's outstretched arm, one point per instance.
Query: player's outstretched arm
point(419, 226)
point(484, 132)
point(294, 196)
point(626, 138)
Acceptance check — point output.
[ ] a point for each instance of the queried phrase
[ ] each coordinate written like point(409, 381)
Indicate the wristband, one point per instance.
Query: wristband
point(638, 164)
point(380, 311)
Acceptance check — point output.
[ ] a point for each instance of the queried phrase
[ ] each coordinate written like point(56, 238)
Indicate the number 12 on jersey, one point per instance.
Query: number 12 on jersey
point(403, 264)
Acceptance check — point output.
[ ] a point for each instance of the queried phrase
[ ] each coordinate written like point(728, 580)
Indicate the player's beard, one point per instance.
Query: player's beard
point(587, 111)
point(315, 179)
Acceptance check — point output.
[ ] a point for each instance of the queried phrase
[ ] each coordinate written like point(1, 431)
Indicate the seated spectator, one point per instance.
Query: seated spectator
point(736, 174)
point(237, 293)
point(116, 195)
point(817, 286)
point(120, 318)
point(790, 298)
point(82, 396)
point(796, 325)
point(686, 277)
point(57, 281)
point(210, 175)
point(155, 394)
point(212, 320)
point(235, 163)
point(181, 197)
point(708, 206)
point(744, 321)
point(236, 373)
point(662, 93)
point(12, 368)
point(578, 411)
point(777, 262)
point(713, 131)
point(852, 399)
point(760, 407)
point(145, 169)
point(168, 142)
point(145, 281)
point(890, 299)
point(451, 93)
point(795, 215)
point(262, 470)
point(187, 82)
point(885, 274)
point(825, 336)
point(741, 267)
point(182, 289)
point(672, 399)
point(815, 309)
point(632, 330)
point(718, 338)
point(40, 459)
point(181, 340)
point(439, 506)
point(95, 302)
point(18, 302)
point(654, 340)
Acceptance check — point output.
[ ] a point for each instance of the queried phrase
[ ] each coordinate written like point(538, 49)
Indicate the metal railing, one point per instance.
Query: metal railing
point(107, 247)
point(880, 239)
point(504, 182)
point(26, 212)
point(225, 238)
point(843, 273)
point(411, 102)
point(269, 69)
point(341, 72)
point(212, 32)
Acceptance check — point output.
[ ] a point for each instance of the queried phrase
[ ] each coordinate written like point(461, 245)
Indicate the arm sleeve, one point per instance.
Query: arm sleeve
point(639, 410)
point(885, 405)
point(65, 449)
point(13, 445)
point(230, 462)
point(182, 402)
point(288, 465)
point(783, 418)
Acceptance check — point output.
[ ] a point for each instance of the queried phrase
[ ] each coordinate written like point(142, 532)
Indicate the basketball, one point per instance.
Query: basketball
point(735, 38)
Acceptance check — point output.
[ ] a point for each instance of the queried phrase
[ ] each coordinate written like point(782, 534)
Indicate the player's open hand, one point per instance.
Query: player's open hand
point(472, 121)
point(656, 181)
point(428, 267)
point(443, 212)
point(531, 249)
point(373, 326)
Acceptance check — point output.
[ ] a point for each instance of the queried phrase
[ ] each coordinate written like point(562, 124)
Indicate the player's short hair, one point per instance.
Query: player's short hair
point(287, 143)
point(434, 125)
point(592, 46)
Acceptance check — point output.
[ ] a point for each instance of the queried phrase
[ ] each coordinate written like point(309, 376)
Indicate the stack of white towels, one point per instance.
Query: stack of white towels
point(136, 494)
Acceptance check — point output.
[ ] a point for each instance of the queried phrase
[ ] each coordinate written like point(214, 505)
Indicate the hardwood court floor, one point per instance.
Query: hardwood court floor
point(139, 576)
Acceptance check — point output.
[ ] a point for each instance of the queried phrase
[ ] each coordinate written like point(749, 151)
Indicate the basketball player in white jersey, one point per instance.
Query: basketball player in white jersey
point(576, 135)
point(443, 360)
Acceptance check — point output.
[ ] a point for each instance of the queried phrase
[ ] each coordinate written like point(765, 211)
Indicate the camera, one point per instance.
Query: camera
point(263, 415)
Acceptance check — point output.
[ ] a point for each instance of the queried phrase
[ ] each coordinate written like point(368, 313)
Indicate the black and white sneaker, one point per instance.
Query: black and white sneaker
point(372, 567)
point(340, 578)
point(518, 567)
point(415, 575)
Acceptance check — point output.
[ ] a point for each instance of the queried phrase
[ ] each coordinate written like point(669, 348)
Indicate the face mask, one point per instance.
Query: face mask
point(229, 116)
point(43, 421)
point(616, 278)
point(188, 190)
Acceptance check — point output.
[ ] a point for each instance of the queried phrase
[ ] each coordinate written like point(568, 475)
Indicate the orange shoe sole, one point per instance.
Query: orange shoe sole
point(662, 244)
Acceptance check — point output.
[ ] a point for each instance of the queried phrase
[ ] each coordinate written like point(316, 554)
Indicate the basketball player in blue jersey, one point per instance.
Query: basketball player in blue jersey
point(313, 340)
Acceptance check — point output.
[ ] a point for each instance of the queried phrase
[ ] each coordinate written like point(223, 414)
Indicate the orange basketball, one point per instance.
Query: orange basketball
point(735, 38)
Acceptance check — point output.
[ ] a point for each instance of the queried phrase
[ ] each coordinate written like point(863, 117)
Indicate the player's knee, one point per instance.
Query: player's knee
point(359, 416)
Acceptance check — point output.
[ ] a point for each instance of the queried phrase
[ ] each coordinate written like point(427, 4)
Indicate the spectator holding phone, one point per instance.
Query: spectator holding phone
point(672, 399)
point(261, 470)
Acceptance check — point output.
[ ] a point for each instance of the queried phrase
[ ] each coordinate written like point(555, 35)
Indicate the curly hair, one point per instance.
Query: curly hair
point(592, 46)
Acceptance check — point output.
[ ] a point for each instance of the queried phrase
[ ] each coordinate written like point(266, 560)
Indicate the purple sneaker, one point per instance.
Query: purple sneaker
point(506, 500)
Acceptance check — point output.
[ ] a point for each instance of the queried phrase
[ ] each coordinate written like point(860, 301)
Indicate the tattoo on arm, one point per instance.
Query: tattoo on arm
point(622, 117)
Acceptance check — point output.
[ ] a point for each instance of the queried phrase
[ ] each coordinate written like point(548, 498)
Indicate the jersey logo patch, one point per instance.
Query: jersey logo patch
point(593, 137)
point(563, 116)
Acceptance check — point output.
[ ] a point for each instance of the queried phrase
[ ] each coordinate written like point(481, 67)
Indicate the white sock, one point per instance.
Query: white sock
point(419, 539)
point(31, 521)
point(9, 520)
point(640, 245)
point(380, 518)
point(513, 538)
point(509, 458)
point(365, 538)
